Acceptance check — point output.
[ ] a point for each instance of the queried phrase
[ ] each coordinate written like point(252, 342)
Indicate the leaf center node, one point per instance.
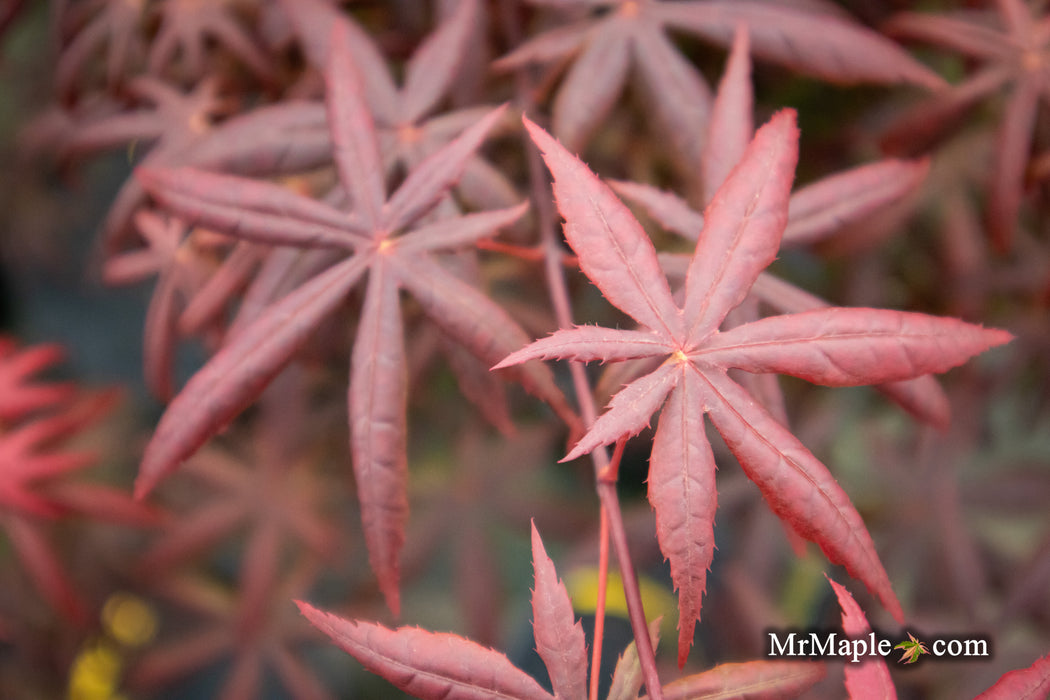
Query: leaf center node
point(1033, 60)
point(408, 134)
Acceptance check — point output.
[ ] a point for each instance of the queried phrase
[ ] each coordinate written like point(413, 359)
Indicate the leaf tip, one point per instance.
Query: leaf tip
point(144, 484)
point(574, 453)
point(998, 336)
point(321, 620)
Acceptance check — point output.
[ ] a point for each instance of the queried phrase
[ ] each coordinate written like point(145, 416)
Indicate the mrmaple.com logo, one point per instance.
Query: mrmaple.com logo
point(833, 644)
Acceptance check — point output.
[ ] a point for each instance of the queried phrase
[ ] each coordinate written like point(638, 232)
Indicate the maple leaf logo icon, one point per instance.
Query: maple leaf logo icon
point(912, 649)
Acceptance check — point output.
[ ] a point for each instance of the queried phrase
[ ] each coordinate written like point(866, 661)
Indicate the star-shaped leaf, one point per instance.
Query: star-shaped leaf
point(838, 347)
point(37, 421)
point(391, 238)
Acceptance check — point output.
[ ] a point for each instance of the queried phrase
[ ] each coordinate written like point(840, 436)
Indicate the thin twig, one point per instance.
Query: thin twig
point(558, 290)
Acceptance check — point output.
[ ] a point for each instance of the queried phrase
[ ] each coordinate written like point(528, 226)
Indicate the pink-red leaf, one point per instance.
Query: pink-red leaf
point(314, 21)
point(1032, 683)
point(158, 350)
point(432, 178)
point(259, 211)
point(682, 492)
point(798, 488)
point(957, 33)
point(18, 395)
point(44, 567)
point(377, 401)
point(868, 679)
point(477, 323)
point(666, 208)
point(559, 638)
point(629, 410)
point(825, 206)
point(627, 677)
point(549, 46)
point(614, 251)
point(751, 680)
point(428, 665)
point(849, 347)
point(591, 344)
point(675, 92)
point(235, 376)
point(459, 231)
point(356, 147)
point(816, 43)
point(922, 397)
point(433, 66)
point(592, 85)
point(742, 227)
point(1011, 158)
point(731, 126)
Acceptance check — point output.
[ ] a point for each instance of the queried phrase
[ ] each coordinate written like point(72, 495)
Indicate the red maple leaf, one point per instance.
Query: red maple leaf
point(37, 421)
point(391, 238)
point(834, 346)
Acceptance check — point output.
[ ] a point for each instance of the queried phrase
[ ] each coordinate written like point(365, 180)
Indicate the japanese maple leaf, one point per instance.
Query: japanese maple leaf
point(37, 420)
point(838, 347)
point(1013, 55)
point(392, 240)
point(633, 32)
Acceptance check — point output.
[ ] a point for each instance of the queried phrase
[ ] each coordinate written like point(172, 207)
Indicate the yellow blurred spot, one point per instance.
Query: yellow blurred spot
point(96, 672)
point(582, 585)
point(129, 619)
